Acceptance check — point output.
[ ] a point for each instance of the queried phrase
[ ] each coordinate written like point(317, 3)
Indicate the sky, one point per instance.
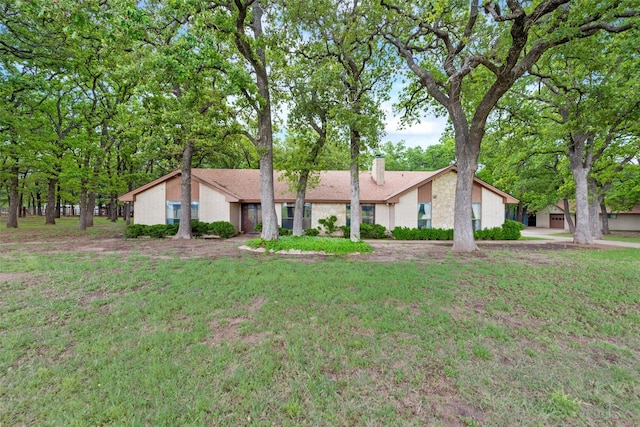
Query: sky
point(422, 134)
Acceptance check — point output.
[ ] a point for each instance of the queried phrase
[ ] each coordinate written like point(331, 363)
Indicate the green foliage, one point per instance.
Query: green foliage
point(311, 244)
point(329, 224)
point(284, 231)
point(311, 232)
point(510, 230)
point(406, 233)
point(222, 229)
point(367, 231)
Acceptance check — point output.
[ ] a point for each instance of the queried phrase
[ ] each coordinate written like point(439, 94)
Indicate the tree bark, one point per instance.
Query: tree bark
point(184, 230)
point(82, 224)
point(594, 207)
point(12, 219)
point(113, 208)
point(91, 206)
point(298, 210)
point(354, 173)
point(50, 210)
point(580, 167)
point(567, 216)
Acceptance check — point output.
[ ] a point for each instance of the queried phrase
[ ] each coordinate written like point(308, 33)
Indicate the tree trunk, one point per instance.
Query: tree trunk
point(580, 167)
point(91, 207)
point(50, 210)
point(605, 218)
point(355, 186)
point(113, 208)
point(127, 213)
point(467, 151)
point(84, 199)
point(184, 230)
point(39, 203)
point(567, 216)
point(594, 208)
point(58, 200)
point(12, 219)
point(298, 210)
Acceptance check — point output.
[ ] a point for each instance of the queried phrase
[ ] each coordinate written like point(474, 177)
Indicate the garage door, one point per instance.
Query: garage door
point(556, 221)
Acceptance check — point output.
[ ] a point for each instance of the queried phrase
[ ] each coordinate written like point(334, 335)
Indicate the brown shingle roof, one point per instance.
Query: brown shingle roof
point(243, 185)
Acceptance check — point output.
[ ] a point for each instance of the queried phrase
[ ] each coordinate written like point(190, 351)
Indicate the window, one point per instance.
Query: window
point(173, 212)
point(368, 214)
point(424, 215)
point(476, 216)
point(287, 216)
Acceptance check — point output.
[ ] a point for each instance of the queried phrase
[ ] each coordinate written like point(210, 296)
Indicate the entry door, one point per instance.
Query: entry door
point(251, 216)
point(556, 221)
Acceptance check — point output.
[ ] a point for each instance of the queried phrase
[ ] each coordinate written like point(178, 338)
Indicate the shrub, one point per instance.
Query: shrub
point(329, 224)
point(367, 231)
point(311, 232)
point(223, 229)
point(495, 233)
point(284, 231)
point(511, 229)
point(133, 231)
point(258, 227)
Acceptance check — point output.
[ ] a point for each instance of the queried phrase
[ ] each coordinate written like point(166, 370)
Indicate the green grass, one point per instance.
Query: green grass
point(495, 339)
point(327, 245)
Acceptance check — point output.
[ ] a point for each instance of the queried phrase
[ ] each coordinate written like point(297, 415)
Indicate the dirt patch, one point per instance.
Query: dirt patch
point(384, 250)
point(16, 277)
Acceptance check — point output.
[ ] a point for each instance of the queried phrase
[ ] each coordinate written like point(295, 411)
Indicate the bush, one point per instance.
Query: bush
point(495, 233)
point(405, 233)
point(512, 229)
point(367, 231)
point(311, 232)
point(133, 231)
point(329, 224)
point(284, 231)
point(223, 229)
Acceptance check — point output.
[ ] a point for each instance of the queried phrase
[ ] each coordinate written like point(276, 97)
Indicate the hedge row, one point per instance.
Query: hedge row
point(223, 229)
point(510, 230)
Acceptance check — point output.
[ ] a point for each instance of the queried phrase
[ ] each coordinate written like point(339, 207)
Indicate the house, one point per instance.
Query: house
point(389, 198)
point(553, 216)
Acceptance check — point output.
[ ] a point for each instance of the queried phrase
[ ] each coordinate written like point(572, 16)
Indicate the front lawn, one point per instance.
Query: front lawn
point(492, 338)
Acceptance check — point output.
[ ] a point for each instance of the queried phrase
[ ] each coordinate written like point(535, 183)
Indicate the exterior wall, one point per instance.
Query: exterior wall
point(150, 206)
point(543, 220)
point(213, 206)
point(406, 210)
point(324, 210)
point(383, 216)
point(279, 213)
point(624, 222)
point(443, 201)
point(492, 209)
point(235, 215)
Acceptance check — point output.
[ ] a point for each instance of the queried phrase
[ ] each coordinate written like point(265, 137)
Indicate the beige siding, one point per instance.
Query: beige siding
point(325, 210)
point(279, 214)
point(213, 206)
point(543, 220)
point(443, 201)
point(235, 215)
point(406, 210)
point(492, 209)
point(623, 222)
point(382, 216)
point(150, 206)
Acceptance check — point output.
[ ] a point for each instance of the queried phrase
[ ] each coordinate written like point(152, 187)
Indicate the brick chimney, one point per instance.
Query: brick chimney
point(377, 169)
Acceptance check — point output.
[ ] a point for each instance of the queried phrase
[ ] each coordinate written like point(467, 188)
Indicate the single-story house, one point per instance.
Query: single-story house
point(389, 198)
point(553, 216)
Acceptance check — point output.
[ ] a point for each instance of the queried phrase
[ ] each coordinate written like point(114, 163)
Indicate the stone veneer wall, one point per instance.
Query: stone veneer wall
point(443, 200)
point(150, 207)
point(325, 210)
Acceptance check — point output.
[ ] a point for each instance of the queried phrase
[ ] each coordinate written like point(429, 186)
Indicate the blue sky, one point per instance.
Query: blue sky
point(422, 134)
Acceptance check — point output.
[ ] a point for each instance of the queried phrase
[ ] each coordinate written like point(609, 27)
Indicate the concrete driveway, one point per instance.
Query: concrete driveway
point(549, 234)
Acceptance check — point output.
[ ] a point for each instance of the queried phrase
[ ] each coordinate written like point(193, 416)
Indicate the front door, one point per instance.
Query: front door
point(556, 221)
point(251, 216)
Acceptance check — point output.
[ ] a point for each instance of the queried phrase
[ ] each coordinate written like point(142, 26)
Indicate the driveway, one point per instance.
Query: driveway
point(550, 234)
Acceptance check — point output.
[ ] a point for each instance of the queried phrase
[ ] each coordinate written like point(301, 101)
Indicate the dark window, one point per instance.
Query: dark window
point(173, 212)
point(368, 214)
point(287, 216)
